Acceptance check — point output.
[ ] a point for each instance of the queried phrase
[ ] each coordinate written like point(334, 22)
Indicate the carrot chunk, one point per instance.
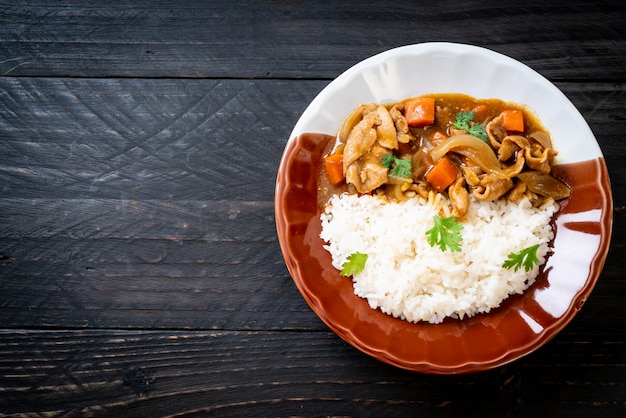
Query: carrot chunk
point(420, 112)
point(513, 120)
point(334, 167)
point(480, 111)
point(442, 174)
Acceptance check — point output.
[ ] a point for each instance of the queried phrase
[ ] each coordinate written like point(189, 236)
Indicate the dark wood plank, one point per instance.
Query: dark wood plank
point(243, 39)
point(146, 139)
point(151, 373)
point(233, 293)
point(105, 263)
point(599, 104)
point(179, 221)
point(182, 139)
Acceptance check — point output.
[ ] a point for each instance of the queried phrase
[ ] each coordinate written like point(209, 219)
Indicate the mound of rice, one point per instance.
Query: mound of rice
point(407, 278)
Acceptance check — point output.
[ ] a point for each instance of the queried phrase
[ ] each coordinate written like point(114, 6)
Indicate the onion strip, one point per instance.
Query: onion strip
point(544, 184)
point(474, 149)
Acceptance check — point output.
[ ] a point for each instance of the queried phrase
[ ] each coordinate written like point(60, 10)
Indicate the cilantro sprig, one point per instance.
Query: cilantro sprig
point(446, 233)
point(354, 264)
point(526, 258)
point(397, 166)
point(462, 122)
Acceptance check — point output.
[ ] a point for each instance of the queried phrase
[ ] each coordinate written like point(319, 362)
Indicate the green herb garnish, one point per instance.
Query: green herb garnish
point(398, 166)
point(446, 233)
point(462, 122)
point(463, 119)
point(354, 264)
point(527, 258)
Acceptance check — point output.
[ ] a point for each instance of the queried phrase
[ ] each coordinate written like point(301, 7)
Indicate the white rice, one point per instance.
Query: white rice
point(407, 278)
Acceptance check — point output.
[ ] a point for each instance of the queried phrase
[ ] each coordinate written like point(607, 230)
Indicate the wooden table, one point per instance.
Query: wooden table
point(140, 272)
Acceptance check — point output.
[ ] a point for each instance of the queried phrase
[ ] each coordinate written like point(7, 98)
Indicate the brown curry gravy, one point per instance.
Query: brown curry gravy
point(447, 105)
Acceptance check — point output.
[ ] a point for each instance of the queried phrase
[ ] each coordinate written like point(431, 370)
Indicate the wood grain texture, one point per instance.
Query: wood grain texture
point(146, 139)
point(242, 39)
point(140, 272)
point(237, 373)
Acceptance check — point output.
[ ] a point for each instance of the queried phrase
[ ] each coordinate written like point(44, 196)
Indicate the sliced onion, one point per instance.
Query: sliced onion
point(542, 138)
point(475, 149)
point(418, 164)
point(348, 123)
point(544, 184)
point(394, 179)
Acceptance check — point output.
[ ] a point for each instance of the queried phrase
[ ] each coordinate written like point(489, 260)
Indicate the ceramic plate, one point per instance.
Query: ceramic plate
point(523, 322)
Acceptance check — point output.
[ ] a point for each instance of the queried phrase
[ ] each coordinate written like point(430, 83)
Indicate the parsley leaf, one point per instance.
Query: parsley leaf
point(463, 119)
point(354, 264)
point(399, 167)
point(446, 233)
point(402, 168)
point(527, 258)
point(462, 122)
point(478, 131)
point(388, 160)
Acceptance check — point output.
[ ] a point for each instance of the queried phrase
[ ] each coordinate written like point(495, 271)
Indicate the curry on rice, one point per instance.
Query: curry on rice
point(445, 143)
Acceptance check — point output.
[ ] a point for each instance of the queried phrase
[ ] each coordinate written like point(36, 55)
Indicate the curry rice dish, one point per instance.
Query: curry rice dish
point(439, 206)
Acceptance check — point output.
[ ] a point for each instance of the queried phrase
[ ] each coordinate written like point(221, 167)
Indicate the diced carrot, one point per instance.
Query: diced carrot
point(334, 167)
point(480, 111)
point(420, 112)
point(442, 174)
point(438, 137)
point(513, 120)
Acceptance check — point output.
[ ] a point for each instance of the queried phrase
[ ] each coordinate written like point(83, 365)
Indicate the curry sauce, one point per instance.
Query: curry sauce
point(452, 144)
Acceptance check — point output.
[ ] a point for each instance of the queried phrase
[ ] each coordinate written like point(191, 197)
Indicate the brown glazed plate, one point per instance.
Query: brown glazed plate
point(523, 323)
